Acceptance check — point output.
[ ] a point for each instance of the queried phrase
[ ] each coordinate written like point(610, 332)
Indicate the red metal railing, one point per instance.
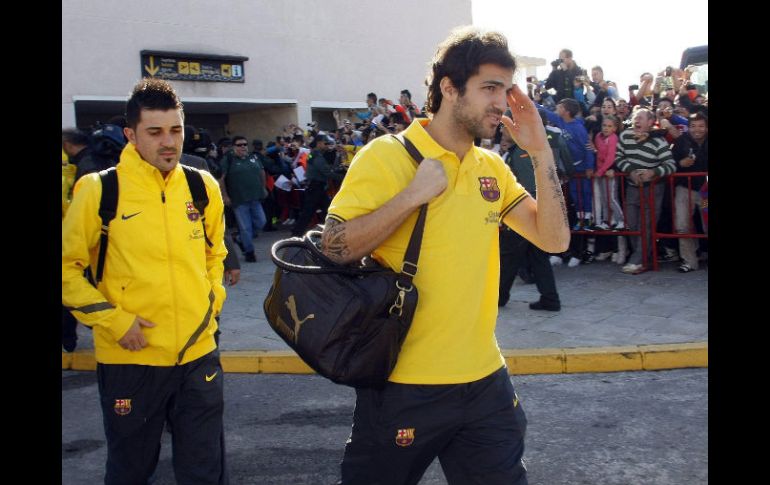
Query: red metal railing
point(670, 182)
point(645, 198)
point(621, 181)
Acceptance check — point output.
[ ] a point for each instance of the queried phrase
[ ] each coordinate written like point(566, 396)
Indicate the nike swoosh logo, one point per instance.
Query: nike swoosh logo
point(126, 217)
point(210, 378)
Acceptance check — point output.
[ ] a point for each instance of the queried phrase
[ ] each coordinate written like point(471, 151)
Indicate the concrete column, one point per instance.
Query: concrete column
point(304, 114)
point(68, 115)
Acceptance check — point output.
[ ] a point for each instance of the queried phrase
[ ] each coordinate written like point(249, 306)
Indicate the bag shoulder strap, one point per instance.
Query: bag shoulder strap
point(412, 255)
point(108, 207)
point(199, 195)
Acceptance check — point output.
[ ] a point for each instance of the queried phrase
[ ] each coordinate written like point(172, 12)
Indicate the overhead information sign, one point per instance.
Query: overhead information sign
point(180, 66)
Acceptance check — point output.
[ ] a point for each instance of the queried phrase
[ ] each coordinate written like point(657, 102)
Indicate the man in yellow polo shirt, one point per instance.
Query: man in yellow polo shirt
point(449, 395)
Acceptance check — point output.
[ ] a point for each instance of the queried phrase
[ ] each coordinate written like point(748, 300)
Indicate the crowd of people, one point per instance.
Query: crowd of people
point(607, 148)
point(618, 147)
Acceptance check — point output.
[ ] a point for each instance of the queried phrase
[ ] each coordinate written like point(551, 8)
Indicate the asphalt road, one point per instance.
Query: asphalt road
point(612, 429)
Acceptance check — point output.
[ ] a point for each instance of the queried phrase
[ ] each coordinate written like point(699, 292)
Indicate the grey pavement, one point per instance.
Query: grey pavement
point(622, 428)
point(615, 429)
point(601, 306)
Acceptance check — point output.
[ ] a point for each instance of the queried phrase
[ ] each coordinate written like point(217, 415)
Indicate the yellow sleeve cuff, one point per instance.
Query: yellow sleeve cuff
point(119, 324)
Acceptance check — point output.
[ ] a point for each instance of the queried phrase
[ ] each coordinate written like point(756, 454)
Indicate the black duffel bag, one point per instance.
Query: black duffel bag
point(347, 322)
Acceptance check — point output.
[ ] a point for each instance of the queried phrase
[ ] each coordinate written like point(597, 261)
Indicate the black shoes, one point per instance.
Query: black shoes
point(540, 305)
point(250, 257)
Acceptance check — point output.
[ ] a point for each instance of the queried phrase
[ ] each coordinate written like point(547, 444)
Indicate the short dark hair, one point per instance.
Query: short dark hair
point(609, 99)
point(598, 68)
point(459, 57)
point(372, 96)
point(117, 120)
point(406, 93)
point(698, 116)
point(257, 144)
point(154, 94)
point(397, 118)
point(571, 105)
point(566, 52)
point(240, 137)
point(74, 136)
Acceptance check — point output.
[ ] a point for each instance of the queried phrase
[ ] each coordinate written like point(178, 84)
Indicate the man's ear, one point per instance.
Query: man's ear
point(130, 135)
point(448, 90)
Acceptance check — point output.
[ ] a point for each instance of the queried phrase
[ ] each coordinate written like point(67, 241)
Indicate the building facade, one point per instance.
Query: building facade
point(250, 67)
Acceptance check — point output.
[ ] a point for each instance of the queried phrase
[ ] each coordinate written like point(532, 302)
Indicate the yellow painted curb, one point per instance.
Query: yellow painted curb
point(534, 361)
point(518, 361)
point(602, 359)
point(83, 360)
point(283, 362)
point(667, 356)
point(66, 360)
point(246, 362)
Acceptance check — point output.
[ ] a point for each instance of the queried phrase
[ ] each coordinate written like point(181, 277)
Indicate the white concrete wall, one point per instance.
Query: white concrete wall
point(308, 50)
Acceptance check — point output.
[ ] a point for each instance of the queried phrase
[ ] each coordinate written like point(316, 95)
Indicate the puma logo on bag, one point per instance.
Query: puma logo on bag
point(292, 306)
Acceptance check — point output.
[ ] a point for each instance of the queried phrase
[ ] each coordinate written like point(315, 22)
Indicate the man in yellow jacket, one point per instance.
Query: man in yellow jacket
point(153, 312)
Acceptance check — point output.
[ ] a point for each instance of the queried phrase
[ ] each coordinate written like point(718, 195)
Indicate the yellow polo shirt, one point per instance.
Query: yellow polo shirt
point(452, 338)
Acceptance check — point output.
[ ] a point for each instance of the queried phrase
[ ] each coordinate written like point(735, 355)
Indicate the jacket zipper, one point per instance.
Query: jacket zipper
point(170, 268)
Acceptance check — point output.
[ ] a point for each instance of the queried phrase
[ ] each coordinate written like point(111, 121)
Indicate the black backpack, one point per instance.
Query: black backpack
point(108, 207)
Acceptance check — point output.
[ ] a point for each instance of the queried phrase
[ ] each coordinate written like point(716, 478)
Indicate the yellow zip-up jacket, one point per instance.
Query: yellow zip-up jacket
point(158, 265)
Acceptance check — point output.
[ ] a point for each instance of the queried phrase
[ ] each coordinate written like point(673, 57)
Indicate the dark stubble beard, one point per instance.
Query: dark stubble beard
point(474, 127)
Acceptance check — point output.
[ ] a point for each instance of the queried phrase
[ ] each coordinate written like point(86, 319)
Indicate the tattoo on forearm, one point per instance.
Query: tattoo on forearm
point(557, 193)
point(333, 242)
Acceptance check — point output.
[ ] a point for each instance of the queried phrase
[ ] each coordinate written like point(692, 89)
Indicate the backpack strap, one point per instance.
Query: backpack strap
point(199, 195)
point(108, 207)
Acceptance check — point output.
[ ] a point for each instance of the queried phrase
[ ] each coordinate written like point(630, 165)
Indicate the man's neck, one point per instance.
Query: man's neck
point(449, 135)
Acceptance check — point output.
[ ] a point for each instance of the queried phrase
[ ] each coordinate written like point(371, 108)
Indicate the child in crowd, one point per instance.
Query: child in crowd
point(605, 204)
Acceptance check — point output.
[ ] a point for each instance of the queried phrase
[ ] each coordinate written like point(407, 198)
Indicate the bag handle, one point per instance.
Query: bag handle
point(412, 255)
point(306, 242)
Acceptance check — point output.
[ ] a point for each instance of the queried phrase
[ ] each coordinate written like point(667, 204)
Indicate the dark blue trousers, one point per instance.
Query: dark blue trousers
point(476, 429)
point(138, 400)
point(517, 252)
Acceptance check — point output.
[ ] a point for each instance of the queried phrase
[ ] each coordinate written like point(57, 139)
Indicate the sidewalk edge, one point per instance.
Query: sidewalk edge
point(519, 361)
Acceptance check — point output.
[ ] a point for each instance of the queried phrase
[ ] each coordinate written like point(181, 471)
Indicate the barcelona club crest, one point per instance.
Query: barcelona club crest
point(192, 212)
point(405, 437)
point(122, 406)
point(489, 189)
